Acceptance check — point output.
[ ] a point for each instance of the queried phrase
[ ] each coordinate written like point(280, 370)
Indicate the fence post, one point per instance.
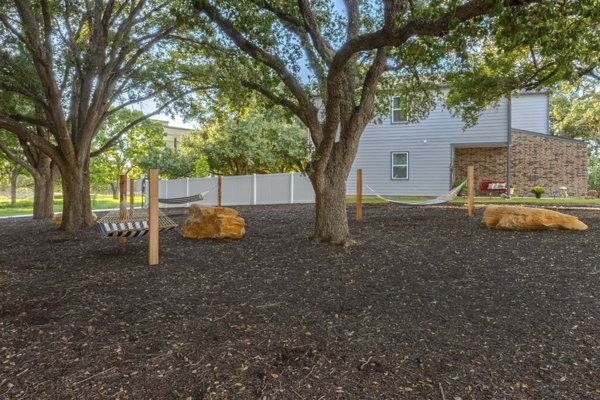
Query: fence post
point(253, 189)
point(291, 188)
point(153, 217)
point(187, 190)
point(166, 191)
point(470, 189)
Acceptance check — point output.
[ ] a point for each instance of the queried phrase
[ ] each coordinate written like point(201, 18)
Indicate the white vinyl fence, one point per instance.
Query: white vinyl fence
point(240, 190)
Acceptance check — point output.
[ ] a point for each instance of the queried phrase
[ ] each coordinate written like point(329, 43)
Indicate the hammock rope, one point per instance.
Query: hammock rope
point(438, 200)
point(183, 200)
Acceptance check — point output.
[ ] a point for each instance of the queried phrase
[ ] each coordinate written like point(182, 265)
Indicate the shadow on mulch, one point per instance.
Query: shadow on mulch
point(428, 305)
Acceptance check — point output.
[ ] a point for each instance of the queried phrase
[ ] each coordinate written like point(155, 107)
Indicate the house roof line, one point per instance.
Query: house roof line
point(548, 136)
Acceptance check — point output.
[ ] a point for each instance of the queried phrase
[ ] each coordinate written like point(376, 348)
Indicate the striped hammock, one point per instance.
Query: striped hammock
point(432, 202)
point(133, 224)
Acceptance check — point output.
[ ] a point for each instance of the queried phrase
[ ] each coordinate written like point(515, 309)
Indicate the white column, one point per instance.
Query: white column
point(291, 188)
point(254, 189)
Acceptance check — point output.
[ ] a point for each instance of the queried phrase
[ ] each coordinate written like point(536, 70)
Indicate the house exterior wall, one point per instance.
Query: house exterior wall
point(549, 162)
point(489, 163)
point(536, 159)
point(429, 144)
point(530, 112)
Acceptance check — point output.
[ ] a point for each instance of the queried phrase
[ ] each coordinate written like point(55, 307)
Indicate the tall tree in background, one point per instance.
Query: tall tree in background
point(77, 63)
point(22, 156)
point(250, 141)
point(125, 155)
point(10, 170)
point(575, 113)
point(411, 48)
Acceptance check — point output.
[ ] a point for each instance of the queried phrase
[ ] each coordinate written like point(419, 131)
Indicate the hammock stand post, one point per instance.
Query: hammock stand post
point(359, 213)
point(122, 203)
point(220, 191)
point(153, 257)
point(131, 196)
point(470, 190)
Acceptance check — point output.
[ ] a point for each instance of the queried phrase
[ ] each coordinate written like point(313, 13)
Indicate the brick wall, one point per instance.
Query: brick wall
point(489, 163)
point(535, 160)
point(550, 163)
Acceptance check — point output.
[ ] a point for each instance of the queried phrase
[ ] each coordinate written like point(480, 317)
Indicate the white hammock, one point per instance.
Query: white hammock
point(438, 200)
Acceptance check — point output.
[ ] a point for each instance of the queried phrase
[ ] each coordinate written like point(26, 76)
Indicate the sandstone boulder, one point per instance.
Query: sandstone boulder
point(213, 222)
point(57, 219)
point(529, 219)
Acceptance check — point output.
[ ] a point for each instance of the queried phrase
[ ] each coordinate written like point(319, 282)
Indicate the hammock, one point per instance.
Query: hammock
point(134, 224)
point(186, 199)
point(438, 200)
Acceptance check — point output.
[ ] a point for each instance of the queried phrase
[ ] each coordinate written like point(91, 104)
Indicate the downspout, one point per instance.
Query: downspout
point(508, 143)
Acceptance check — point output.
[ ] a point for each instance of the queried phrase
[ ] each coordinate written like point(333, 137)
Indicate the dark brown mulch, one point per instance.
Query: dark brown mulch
point(428, 305)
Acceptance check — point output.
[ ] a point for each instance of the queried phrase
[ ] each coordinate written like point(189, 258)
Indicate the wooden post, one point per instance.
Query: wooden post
point(122, 203)
point(122, 197)
point(220, 191)
point(153, 258)
point(470, 189)
point(131, 196)
point(359, 194)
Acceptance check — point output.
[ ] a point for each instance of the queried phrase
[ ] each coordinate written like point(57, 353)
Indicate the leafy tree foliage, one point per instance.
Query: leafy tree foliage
point(479, 49)
point(124, 156)
point(250, 141)
point(575, 113)
point(76, 63)
point(170, 163)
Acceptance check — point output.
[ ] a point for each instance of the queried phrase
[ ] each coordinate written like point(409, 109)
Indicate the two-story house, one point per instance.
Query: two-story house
point(425, 158)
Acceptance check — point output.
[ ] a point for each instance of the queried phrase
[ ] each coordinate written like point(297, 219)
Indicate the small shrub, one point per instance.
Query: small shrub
point(538, 191)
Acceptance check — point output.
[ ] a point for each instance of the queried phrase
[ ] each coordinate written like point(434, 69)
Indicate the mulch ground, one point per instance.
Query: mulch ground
point(427, 305)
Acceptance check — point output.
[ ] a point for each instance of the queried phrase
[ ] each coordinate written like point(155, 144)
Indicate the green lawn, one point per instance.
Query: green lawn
point(25, 206)
point(484, 200)
point(103, 202)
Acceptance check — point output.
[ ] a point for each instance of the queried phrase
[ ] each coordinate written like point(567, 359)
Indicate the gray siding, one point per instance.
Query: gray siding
point(429, 144)
point(530, 112)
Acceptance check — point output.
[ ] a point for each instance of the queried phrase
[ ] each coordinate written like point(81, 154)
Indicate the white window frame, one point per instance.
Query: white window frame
point(402, 121)
point(399, 165)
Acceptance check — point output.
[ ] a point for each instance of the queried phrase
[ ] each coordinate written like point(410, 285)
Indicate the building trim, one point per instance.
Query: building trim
point(552, 137)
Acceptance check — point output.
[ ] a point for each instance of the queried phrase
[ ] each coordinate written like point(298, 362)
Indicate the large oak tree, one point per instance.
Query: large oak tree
point(76, 63)
point(361, 53)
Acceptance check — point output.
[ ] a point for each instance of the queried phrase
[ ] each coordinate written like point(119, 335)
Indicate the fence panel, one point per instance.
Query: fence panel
point(241, 190)
point(303, 190)
point(273, 189)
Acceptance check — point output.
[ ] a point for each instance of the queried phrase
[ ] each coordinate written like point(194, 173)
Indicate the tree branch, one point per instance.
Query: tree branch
point(307, 108)
point(109, 143)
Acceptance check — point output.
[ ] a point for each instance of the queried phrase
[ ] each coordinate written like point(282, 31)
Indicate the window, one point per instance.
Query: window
point(398, 116)
point(400, 165)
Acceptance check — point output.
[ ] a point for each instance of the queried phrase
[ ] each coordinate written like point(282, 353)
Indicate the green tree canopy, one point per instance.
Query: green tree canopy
point(124, 156)
point(170, 163)
point(74, 64)
point(251, 140)
point(364, 52)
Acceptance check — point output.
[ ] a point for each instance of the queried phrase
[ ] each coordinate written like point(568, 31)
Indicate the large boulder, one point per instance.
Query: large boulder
point(213, 222)
point(516, 218)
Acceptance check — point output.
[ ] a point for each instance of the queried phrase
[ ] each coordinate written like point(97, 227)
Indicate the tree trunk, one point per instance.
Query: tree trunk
point(14, 175)
point(331, 224)
point(77, 206)
point(43, 195)
point(115, 190)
